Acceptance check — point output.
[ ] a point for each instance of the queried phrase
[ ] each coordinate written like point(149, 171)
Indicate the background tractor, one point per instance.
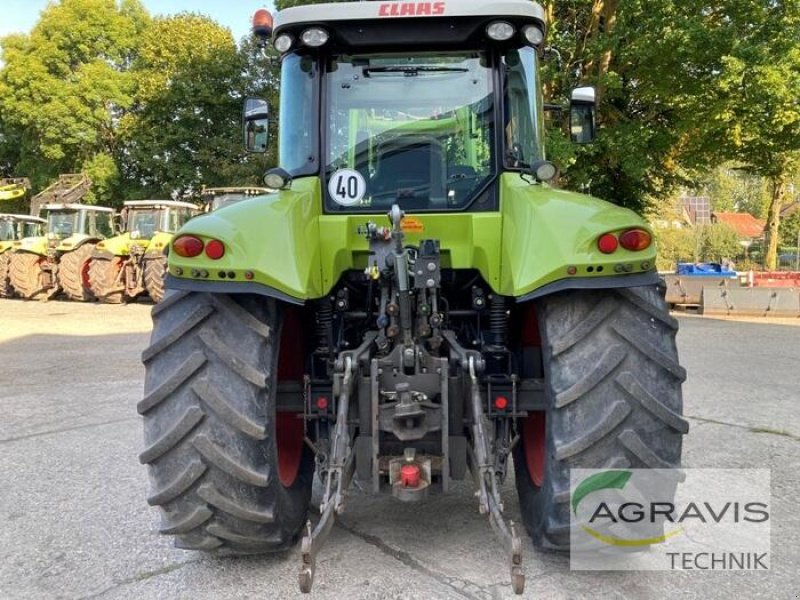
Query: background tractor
point(59, 260)
point(216, 198)
point(14, 193)
point(413, 304)
point(13, 228)
point(132, 263)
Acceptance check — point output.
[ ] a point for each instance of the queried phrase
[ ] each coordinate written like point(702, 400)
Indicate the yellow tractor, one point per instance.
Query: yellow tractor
point(132, 263)
point(13, 228)
point(43, 266)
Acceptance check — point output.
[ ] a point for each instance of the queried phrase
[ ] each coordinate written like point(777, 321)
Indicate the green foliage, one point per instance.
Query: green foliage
point(790, 229)
point(733, 189)
point(183, 126)
point(718, 242)
point(147, 108)
point(674, 245)
point(103, 171)
point(705, 243)
point(64, 86)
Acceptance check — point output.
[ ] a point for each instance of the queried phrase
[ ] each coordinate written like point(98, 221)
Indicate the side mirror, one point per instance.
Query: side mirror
point(582, 115)
point(256, 125)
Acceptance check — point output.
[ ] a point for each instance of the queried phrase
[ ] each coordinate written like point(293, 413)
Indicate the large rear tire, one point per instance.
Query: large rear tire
point(6, 289)
point(614, 400)
point(155, 270)
point(228, 473)
point(73, 273)
point(27, 275)
point(104, 280)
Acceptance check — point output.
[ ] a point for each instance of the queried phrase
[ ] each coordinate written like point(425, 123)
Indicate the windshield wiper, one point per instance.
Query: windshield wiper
point(413, 70)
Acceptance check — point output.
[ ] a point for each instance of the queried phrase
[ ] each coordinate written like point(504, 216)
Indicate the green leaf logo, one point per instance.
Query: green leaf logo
point(599, 481)
point(604, 481)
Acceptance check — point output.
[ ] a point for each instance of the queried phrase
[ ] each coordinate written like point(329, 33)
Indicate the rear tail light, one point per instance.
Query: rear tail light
point(188, 246)
point(607, 243)
point(635, 240)
point(215, 249)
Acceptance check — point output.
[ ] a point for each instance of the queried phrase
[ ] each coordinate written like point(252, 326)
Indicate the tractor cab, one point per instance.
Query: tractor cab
point(17, 227)
point(146, 218)
point(70, 224)
point(420, 104)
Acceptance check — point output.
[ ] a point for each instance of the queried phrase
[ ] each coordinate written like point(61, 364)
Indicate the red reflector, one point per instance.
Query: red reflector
point(215, 249)
point(188, 246)
point(322, 403)
point(501, 403)
point(607, 243)
point(635, 240)
point(409, 476)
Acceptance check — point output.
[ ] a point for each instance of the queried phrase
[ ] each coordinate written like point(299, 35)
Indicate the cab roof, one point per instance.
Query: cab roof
point(408, 23)
point(249, 190)
point(59, 206)
point(159, 203)
point(25, 218)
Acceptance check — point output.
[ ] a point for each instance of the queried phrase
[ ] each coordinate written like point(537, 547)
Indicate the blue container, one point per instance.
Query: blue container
point(704, 269)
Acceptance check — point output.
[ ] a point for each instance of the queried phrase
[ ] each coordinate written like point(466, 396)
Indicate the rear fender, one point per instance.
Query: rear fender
point(271, 247)
point(115, 246)
point(76, 241)
point(550, 242)
point(158, 245)
point(34, 245)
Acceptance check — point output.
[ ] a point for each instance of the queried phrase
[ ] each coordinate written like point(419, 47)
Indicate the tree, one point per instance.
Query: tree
point(634, 158)
point(675, 245)
point(718, 242)
point(738, 85)
point(183, 129)
point(790, 229)
point(65, 87)
point(734, 189)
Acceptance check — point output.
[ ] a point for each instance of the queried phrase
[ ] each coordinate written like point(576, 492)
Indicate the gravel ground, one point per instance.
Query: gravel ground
point(76, 525)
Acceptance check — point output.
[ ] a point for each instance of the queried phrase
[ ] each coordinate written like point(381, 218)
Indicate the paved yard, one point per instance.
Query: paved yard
point(74, 522)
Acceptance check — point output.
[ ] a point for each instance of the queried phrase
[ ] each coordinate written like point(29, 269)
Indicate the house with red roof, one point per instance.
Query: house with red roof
point(744, 224)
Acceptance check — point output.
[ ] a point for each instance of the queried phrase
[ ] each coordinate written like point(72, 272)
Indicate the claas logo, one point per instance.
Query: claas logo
point(411, 9)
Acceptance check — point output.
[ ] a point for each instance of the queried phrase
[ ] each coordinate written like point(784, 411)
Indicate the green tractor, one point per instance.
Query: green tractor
point(413, 305)
point(43, 266)
point(14, 228)
point(132, 263)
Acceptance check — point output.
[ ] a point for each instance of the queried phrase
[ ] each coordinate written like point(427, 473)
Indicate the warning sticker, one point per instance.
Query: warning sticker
point(412, 225)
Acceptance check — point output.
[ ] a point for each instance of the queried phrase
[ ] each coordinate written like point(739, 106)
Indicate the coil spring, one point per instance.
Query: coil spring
point(324, 331)
point(498, 320)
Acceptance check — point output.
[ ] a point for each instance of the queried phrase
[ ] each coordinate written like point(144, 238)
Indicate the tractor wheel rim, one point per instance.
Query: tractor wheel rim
point(85, 279)
point(289, 433)
point(289, 426)
point(534, 432)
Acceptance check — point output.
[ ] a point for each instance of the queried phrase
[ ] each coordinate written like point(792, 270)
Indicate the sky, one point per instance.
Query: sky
point(21, 15)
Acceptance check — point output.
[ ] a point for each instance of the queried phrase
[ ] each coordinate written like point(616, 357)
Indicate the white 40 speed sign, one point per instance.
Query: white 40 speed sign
point(347, 187)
